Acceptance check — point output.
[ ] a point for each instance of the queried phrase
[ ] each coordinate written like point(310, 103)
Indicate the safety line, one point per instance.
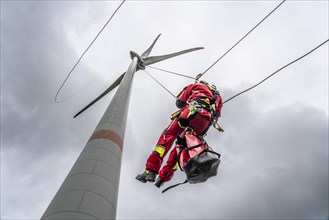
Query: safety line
point(167, 71)
point(242, 38)
point(275, 72)
point(160, 83)
point(60, 88)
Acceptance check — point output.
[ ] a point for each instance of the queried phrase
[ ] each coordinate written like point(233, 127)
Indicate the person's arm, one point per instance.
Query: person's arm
point(183, 96)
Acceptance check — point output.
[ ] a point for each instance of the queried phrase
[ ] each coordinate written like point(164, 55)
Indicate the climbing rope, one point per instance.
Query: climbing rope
point(159, 83)
point(242, 38)
point(276, 72)
point(174, 73)
point(257, 83)
point(60, 88)
point(201, 74)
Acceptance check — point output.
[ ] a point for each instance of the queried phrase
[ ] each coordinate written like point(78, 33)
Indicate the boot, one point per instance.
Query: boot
point(146, 176)
point(159, 183)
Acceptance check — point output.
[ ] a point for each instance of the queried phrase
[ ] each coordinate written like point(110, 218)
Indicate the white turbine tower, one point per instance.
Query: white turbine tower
point(90, 190)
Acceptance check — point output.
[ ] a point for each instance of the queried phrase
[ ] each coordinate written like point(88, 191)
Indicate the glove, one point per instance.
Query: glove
point(180, 103)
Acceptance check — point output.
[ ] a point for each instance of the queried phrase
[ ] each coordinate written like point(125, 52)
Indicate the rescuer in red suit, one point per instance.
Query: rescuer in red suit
point(199, 106)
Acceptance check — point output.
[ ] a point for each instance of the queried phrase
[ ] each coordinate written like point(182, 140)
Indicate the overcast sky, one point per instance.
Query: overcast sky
point(275, 145)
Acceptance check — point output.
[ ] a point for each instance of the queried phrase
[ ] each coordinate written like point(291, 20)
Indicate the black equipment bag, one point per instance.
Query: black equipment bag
point(196, 159)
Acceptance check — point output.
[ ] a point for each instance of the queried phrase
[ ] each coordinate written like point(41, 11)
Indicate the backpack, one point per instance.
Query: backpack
point(196, 159)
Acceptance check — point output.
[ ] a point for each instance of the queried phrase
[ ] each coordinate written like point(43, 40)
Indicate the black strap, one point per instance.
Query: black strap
point(170, 187)
point(195, 146)
point(182, 147)
point(204, 104)
point(211, 151)
point(179, 155)
point(188, 148)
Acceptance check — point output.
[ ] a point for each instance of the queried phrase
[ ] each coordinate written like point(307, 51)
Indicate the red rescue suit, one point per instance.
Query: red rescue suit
point(199, 121)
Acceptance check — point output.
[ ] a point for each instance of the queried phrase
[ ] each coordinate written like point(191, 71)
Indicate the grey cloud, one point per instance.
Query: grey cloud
point(274, 155)
point(277, 169)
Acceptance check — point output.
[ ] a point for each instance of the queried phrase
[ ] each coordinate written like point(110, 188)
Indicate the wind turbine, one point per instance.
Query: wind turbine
point(142, 62)
point(90, 190)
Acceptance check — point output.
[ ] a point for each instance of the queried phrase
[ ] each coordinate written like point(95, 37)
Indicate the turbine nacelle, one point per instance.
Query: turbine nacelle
point(143, 61)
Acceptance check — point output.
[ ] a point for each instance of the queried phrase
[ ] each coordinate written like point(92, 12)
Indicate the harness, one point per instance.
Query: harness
point(205, 103)
point(209, 104)
point(197, 105)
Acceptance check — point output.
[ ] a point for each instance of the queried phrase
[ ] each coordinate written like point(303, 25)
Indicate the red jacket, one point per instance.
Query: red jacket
point(199, 90)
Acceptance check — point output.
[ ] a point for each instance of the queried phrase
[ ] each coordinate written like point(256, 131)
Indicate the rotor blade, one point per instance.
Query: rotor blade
point(155, 59)
point(115, 84)
point(148, 51)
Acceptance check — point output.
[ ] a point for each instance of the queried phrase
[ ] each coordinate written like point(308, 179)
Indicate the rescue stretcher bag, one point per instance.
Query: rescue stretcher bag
point(197, 159)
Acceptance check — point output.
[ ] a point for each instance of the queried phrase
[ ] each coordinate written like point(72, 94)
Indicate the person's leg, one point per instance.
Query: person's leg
point(154, 161)
point(167, 172)
point(199, 122)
